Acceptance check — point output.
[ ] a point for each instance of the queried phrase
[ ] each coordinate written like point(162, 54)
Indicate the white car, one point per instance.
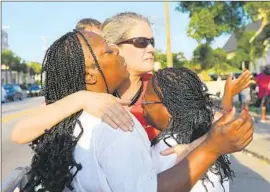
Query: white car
point(3, 95)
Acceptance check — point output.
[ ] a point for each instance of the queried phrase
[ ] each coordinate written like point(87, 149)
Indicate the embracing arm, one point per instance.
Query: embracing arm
point(110, 109)
point(45, 117)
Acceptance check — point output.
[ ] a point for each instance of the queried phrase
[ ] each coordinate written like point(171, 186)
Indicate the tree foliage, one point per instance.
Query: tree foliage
point(179, 59)
point(211, 19)
point(15, 63)
point(35, 67)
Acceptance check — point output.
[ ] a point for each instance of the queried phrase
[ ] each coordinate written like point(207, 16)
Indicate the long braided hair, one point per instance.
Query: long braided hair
point(64, 66)
point(185, 97)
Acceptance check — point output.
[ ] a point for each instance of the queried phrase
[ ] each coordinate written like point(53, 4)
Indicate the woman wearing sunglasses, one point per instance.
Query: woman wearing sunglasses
point(132, 34)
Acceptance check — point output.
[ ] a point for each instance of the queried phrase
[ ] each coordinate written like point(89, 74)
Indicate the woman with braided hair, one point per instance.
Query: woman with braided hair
point(177, 103)
point(65, 61)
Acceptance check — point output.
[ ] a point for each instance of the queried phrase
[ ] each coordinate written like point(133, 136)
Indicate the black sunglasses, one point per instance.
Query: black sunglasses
point(139, 42)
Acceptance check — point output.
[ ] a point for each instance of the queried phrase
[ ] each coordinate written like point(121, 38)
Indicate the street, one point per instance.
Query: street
point(14, 155)
point(252, 174)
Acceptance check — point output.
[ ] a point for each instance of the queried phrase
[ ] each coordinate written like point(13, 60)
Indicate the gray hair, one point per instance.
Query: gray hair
point(116, 28)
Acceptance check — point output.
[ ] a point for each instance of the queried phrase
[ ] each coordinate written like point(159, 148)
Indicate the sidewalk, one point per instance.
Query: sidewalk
point(260, 146)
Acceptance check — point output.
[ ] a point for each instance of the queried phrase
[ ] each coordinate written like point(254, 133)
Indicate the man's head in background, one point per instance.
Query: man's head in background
point(88, 24)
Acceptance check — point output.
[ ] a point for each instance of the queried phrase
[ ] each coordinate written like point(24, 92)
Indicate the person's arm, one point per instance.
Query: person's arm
point(127, 164)
point(223, 138)
point(182, 150)
point(185, 174)
point(45, 117)
point(234, 87)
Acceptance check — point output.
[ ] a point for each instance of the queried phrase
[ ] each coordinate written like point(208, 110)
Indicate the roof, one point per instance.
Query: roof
point(231, 44)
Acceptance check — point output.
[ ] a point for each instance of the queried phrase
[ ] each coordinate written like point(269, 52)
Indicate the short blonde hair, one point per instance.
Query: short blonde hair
point(116, 28)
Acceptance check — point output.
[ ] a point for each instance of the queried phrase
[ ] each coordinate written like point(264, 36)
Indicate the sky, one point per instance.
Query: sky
point(33, 25)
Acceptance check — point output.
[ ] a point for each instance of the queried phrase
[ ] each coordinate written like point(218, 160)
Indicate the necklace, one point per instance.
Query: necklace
point(134, 98)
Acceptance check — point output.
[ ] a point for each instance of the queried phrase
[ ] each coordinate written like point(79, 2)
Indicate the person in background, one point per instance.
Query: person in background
point(89, 24)
point(263, 82)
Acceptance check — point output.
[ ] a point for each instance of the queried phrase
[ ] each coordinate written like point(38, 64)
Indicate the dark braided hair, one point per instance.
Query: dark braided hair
point(64, 68)
point(185, 97)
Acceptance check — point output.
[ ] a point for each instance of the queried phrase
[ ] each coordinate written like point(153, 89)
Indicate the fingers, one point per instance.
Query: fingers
point(227, 117)
point(248, 135)
point(113, 114)
point(108, 120)
point(168, 151)
point(180, 148)
point(244, 78)
point(246, 85)
point(247, 126)
point(229, 78)
point(125, 117)
point(247, 142)
point(235, 124)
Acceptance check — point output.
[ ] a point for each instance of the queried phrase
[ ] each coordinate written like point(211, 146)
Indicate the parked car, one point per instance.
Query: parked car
point(14, 92)
point(3, 95)
point(33, 90)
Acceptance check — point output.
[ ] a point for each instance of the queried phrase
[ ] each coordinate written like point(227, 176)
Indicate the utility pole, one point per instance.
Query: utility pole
point(168, 35)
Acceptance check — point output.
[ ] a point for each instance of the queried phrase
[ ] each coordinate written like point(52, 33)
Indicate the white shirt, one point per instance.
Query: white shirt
point(113, 160)
point(165, 162)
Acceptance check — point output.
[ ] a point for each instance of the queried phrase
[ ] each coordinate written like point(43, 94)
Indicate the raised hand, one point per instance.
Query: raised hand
point(229, 134)
point(235, 86)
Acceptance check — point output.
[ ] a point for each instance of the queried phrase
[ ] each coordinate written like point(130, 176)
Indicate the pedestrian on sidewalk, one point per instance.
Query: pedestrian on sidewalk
point(263, 81)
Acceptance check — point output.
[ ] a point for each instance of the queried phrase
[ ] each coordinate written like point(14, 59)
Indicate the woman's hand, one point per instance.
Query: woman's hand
point(235, 86)
point(182, 150)
point(107, 107)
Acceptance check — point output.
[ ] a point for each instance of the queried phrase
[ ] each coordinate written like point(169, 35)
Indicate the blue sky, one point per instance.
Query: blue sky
point(29, 21)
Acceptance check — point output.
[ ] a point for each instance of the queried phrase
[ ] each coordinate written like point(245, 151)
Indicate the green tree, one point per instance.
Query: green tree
point(11, 60)
point(202, 55)
point(179, 59)
point(257, 10)
point(211, 19)
point(35, 67)
point(161, 57)
point(219, 61)
point(7, 57)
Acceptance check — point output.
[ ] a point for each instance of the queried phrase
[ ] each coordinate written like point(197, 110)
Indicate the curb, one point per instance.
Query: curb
point(257, 156)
